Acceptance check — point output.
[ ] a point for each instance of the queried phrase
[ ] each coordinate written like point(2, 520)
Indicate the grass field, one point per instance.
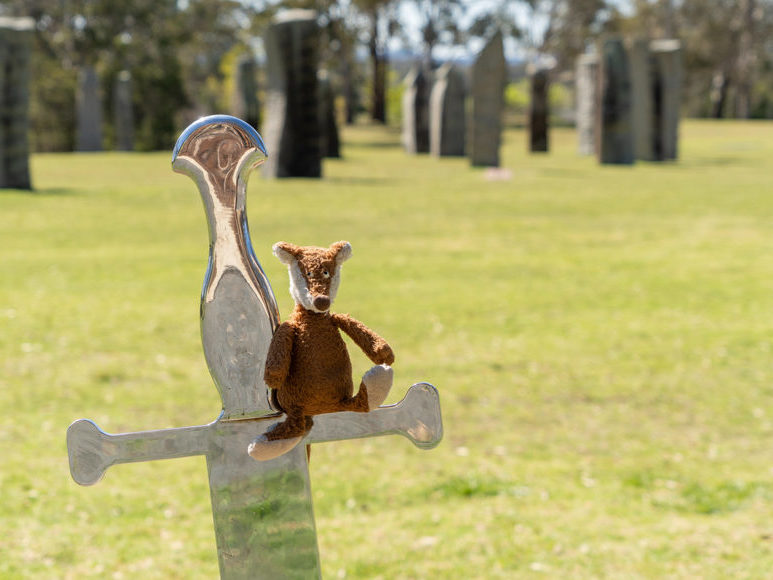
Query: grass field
point(602, 339)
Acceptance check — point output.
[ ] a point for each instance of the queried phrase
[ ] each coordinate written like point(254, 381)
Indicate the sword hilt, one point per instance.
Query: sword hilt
point(238, 308)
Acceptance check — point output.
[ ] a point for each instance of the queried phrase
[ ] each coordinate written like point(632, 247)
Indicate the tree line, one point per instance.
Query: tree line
point(181, 53)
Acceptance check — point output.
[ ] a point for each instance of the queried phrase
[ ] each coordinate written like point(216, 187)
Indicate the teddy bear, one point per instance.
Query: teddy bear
point(308, 366)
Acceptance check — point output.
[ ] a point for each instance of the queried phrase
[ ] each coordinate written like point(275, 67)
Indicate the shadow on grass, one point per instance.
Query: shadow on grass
point(376, 144)
point(725, 161)
point(41, 192)
point(372, 181)
point(52, 191)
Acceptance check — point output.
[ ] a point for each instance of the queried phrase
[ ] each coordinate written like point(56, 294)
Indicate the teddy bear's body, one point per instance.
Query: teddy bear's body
point(308, 366)
point(320, 375)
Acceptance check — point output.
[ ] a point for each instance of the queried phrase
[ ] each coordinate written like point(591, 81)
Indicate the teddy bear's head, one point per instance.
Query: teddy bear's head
point(315, 273)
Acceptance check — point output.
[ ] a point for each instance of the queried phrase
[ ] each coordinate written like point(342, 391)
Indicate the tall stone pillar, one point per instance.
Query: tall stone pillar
point(642, 86)
point(89, 111)
point(123, 111)
point(539, 112)
point(329, 141)
point(615, 118)
point(292, 127)
point(586, 87)
point(244, 101)
point(15, 71)
point(656, 76)
point(447, 124)
point(489, 76)
point(667, 63)
point(416, 111)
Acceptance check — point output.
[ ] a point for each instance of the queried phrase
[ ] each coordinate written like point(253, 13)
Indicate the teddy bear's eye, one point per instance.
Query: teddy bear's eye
point(326, 274)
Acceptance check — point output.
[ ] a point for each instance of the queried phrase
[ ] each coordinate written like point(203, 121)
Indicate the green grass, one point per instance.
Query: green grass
point(602, 339)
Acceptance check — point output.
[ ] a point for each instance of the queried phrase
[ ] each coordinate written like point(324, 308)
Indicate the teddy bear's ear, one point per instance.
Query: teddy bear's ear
point(287, 253)
point(342, 251)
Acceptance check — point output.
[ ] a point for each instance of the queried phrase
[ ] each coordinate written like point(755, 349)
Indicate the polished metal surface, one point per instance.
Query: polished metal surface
point(92, 451)
point(238, 309)
point(416, 417)
point(262, 511)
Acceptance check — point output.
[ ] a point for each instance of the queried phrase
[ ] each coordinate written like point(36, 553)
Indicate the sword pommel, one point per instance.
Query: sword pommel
point(246, 131)
point(218, 153)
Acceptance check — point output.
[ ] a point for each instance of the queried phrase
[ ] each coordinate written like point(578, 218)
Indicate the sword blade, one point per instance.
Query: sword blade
point(262, 511)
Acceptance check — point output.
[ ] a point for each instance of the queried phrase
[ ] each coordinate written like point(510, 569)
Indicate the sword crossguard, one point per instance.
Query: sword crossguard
point(417, 417)
point(91, 451)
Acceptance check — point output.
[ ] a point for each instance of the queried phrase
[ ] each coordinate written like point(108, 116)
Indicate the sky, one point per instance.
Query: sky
point(410, 17)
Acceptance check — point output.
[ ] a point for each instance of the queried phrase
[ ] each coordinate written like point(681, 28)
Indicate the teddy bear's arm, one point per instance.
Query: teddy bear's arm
point(278, 359)
point(375, 347)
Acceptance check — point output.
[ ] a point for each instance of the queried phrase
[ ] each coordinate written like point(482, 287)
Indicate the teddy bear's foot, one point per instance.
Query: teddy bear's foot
point(378, 381)
point(262, 449)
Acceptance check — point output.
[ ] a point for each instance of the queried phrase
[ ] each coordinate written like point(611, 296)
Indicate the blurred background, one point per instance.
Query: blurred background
point(600, 334)
point(183, 55)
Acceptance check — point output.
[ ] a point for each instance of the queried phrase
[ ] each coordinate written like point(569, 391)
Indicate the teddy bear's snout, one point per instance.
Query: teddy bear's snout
point(321, 303)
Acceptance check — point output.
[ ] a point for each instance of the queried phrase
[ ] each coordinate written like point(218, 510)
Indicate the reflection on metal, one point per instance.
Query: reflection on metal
point(264, 521)
point(238, 309)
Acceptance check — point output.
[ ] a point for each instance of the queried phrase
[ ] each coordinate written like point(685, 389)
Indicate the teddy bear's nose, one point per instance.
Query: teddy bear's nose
point(321, 303)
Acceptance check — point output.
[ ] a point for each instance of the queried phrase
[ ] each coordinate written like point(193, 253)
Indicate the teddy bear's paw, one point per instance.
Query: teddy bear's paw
point(378, 380)
point(263, 450)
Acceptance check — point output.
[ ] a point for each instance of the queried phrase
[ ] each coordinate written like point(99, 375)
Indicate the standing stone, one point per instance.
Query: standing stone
point(488, 84)
point(292, 123)
point(615, 117)
point(539, 112)
point(446, 113)
point(416, 111)
point(329, 142)
point(123, 112)
point(244, 101)
point(586, 87)
point(15, 52)
point(656, 82)
point(667, 64)
point(642, 87)
point(89, 112)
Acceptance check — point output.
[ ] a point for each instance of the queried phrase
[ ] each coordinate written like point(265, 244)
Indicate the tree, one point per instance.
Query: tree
point(379, 20)
point(439, 24)
point(171, 47)
point(502, 17)
point(747, 57)
point(574, 24)
point(725, 52)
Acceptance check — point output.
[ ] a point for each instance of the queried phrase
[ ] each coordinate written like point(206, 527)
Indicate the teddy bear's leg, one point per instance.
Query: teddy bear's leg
point(357, 403)
point(374, 388)
point(281, 438)
point(294, 425)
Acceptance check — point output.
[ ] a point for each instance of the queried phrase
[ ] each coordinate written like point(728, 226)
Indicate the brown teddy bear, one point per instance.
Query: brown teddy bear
point(308, 366)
